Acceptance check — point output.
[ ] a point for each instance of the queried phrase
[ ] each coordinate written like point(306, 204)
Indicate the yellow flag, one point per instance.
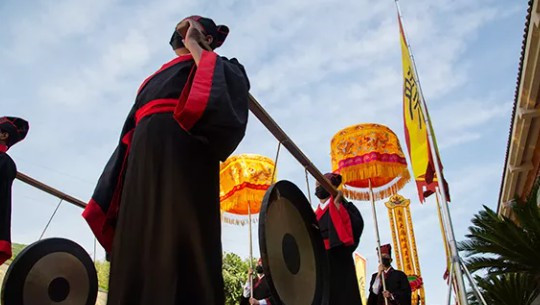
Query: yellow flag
point(416, 135)
point(360, 264)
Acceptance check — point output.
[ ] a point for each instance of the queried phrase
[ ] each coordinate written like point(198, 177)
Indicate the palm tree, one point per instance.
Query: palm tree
point(506, 289)
point(508, 251)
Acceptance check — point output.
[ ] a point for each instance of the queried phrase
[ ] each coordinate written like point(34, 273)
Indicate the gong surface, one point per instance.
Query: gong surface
point(292, 250)
point(51, 271)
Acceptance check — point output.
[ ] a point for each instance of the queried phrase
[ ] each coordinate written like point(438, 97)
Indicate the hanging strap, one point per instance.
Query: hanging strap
point(307, 185)
point(276, 161)
point(50, 219)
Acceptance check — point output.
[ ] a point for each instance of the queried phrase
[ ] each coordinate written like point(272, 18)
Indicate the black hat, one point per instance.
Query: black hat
point(17, 129)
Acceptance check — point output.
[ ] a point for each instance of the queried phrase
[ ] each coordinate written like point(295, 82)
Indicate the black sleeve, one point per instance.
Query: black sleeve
point(219, 93)
point(403, 292)
point(357, 222)
point(8, 171)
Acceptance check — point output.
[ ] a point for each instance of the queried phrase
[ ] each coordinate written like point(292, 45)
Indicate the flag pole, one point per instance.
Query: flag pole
point(462, 295)
point(377, 234)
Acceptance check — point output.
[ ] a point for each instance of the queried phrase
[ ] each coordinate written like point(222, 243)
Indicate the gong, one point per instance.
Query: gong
point(292, 250)
point(51, 271)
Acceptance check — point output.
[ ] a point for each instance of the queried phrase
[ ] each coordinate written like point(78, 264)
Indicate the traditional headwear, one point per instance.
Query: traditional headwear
point(386, 249)
point(17, 129)
point(218, 32)
point(335, 179)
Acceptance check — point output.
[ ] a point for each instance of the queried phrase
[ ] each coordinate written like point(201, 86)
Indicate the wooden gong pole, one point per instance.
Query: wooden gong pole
point(50, 190)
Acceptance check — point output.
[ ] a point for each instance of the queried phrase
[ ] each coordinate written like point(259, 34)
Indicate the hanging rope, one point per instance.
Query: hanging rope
point(50, 219)
point(307, 184)
point(275, 162)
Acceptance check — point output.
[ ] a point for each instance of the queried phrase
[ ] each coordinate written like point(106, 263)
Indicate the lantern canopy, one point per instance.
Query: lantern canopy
point(244, 180)
point(367, 154)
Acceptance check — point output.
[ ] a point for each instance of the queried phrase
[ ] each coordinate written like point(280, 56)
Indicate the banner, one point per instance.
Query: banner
point(416, 135)
point(360, 264)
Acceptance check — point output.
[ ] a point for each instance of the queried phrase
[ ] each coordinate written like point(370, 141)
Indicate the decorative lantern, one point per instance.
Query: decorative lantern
point(405, 251)
point(244, 180)
point(369, 154)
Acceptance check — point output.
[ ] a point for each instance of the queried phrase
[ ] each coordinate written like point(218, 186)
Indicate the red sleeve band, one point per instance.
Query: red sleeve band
point(5, 251)
point(342, 223)
point(96, 220)
point(194, 99)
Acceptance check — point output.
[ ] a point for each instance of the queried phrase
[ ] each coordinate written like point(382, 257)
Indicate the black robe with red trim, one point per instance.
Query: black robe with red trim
point(156, 205)
point(261, 291)
point(341, 230)
point(397, 284)
point(8, 171)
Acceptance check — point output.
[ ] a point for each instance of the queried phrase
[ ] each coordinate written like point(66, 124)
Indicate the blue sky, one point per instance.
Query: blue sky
point(72, 69)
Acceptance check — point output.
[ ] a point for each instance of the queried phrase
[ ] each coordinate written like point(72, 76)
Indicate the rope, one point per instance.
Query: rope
point(275, 162)
point(50, 219)
point(94, 250)
point(307, 184)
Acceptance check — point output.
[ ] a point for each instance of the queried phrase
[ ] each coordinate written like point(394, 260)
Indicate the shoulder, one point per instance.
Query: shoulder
point(399, 273)
point(7, 165)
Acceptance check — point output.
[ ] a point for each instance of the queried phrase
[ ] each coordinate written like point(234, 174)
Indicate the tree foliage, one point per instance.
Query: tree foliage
point(508, 251)
point(235, 273)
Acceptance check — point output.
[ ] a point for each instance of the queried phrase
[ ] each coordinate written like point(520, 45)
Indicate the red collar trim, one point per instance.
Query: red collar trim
point(3, 148)
point(176, 60)
point(320, 212)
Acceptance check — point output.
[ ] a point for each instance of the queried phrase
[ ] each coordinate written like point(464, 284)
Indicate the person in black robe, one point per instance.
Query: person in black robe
point(398, 290)
point(12, 130)
point(156, 205)
point(261, 289)
point(341, 226)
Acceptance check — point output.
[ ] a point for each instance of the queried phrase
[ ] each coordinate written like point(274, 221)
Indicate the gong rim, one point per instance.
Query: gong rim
point(300, 203)
point(15, 279)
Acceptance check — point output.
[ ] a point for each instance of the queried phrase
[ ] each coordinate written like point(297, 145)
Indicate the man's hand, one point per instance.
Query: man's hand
point(387, 294)
point(381, 268)
point(253, 301)
point(338, 200)
point(194, 36)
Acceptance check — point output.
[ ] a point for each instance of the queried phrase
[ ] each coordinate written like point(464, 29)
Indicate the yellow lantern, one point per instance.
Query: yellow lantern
point(244, 180)
point(369, 155)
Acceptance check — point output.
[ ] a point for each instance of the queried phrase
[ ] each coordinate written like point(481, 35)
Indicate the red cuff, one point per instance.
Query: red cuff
point(342, 223)
point(194, 98)
point(96, 220)
point(5, 251)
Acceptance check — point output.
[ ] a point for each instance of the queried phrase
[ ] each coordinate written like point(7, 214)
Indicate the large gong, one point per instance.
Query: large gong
point(292, 250)
point(51, 271)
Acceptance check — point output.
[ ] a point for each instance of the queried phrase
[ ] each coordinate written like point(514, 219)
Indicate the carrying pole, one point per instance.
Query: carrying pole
point(377, 234)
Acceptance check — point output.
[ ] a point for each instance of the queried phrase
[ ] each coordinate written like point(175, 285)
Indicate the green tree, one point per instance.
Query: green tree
point(235, 273)
point(507, 251)
point(506, 289)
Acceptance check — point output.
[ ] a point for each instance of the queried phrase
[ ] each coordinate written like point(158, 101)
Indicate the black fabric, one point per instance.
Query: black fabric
point(167, 243)
point(176, 41)
point(17, 129)
point(8, 171)
point(397, 284)
point(261, 291)
point(343, 281)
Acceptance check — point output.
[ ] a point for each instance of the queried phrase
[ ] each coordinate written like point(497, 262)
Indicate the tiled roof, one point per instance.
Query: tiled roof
point(516, 94)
